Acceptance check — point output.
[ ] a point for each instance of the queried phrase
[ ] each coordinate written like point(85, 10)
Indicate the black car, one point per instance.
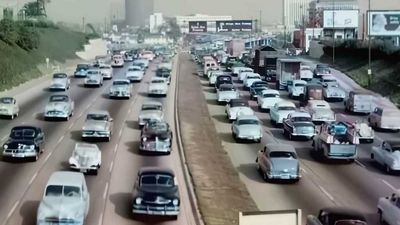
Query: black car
point(223, 79)
point(321, 70)
point(337, 216)
point(156, 193)
point(24, 142)
point(81, 70)
point(156, 137)
point(255, 91)
point(259, 84)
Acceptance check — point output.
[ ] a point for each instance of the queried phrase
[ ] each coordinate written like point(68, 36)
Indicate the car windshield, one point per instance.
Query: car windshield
point(151, 107)
point(226, 88)
point(248, 122)
point(282, 154)
point(22, 133)
point(105, 67)
point(157, 81)
point(93, 72)
point(301, 119)
point(134, 69)
point(238, 104)
point(322, 106)
point(60, 75)
point(159, 126)
point(100, 117)
point(286, 108)
point(58, 98)
point(6, 100)
point(270, 96)
point(299, 85)
point(157, 180)
point(120, 83)
point(62, 191)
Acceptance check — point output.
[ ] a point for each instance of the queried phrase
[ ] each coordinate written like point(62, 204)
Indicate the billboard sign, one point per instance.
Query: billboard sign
point(234, 26)
point(197, 26)
point(384, 23)
point(343, 19)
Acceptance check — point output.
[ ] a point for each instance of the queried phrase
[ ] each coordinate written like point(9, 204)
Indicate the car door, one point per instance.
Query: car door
point(380, 154)
point(40, 138)
point(235, 126)
point(16, 107)
point(274, 112)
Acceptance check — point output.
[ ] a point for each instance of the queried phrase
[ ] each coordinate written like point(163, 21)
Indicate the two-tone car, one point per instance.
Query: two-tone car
point(94, 78)
point(299, 125)
point(156, 192)
point(387, 154)
point(150, 110)
point(106, 71)
point(60, 82)
point(158, 87)
point(24, 142)
point(237, 107)
point(280, 111)
point(60, 106)
point(256, 91)
point(278, 162)
point(98, 126)
point(247, 127)
point(226, 92)
point(296, 88)
point(81, 70)
point(267, 99)
point(134, 74)
point(121, 88)
point(9, 107)
point(320, 111)
point(332, 91)
point(85, 158)
point(156, 137)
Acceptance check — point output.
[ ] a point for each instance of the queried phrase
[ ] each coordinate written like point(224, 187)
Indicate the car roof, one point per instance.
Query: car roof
point(278, 147)
point(347, 212)
point(300, 114)
point(153, 169)
point(238, 100)
point(247, 117)
point(285, 103)
point(25, 127)
point(99, 112)
point(300, 81)
point(66, 178)
point(149, 102)
point(157, 78)
point(125, 80)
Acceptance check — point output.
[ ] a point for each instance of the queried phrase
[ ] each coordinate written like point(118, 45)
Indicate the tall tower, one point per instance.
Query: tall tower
point(137, 12)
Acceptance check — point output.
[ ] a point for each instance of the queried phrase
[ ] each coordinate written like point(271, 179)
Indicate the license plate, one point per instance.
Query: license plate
point(83, 170)
point(285, 176)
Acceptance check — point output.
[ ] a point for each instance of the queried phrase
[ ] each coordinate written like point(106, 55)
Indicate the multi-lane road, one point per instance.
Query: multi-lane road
point(22, 184)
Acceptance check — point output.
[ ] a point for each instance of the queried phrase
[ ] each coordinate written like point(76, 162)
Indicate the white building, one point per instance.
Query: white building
point(155, 21)
point(295, 12)
point(183, 21)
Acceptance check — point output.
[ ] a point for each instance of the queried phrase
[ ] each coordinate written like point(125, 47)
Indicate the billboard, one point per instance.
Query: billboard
point(197, 26)
point(234, 26)
point(384, 23)
point(343, 18)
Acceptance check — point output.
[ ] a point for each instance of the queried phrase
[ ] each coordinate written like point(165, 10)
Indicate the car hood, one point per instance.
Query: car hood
point(242, 110)
point(270, 100)
point(327, 112)
point(157, 86)
point(119, 88)
point(15, 143)
point(134, 74)
point(57, 106)
point(85, 158)
point(153, 191)
point(395, 156)
point(284, 165)
point(62, 207)
point(58, 81)
point(6, 106)
point(151, 114)
point(249, 129)
point(332, 90)
point(96, 125)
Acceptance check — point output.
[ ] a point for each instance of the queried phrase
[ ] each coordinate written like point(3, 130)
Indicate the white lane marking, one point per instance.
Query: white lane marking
point(111, 166)
point(12, 209)
point(105, 191)
point(60, 139)
point(360, 164)
point(48, 156)
point(80, 114)
point(388, 184)
point(120, 133)
point(326, 193)
point(116, 147)
point(33, 178)
point(70, 126)
point(130, 110)
point(100, 219)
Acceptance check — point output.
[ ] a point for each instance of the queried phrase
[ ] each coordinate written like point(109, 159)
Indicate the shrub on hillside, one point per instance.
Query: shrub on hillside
point(8, 31)
point(28, 39)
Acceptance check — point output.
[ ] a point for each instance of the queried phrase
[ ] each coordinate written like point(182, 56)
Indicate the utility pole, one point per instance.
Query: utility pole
point(334, 33)
point(260, 17)
point(83, 24)
point(369, 46)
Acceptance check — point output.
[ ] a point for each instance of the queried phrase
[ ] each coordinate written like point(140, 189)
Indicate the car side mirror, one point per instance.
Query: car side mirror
point(111, 119)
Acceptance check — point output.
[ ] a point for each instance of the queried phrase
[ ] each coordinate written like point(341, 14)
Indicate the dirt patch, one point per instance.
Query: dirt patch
point(219, 190)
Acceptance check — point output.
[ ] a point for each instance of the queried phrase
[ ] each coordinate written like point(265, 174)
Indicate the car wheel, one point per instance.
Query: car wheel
point(67, 118)
point(36, 157)
point(258, 140)
point(290, 136)
point(372, 156)
point(387, 169)
point(95, 172)
point(380, 215)
point(109, 138)
point(12, 116)
point(265, 176)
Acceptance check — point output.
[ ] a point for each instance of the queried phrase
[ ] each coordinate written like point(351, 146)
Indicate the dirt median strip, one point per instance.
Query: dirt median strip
point(219, 190)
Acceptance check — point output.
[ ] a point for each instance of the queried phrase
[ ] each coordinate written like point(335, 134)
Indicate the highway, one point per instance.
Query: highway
point(357, 185)
point(23, 183)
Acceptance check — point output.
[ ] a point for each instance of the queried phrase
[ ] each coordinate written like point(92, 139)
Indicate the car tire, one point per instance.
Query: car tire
point(67, 118)
point(95, 172)
point(12, 117)
point(387, 169)
point(174, 217)
point(36, 158)
point(380, 216)
point(290, 136)
point(372, 156)
point(265, 176)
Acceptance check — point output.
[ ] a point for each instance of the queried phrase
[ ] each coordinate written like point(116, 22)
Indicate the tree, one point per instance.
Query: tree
point(173, 30)
point(35, 8)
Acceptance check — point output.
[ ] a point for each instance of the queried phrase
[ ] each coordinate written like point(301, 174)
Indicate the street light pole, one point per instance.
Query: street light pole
point(334, 38)
point(369, 46)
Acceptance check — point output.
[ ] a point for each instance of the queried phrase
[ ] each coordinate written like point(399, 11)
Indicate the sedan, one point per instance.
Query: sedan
point(9, 107)
point(94, 78)
point(247, 127)
point(59, 107)
point(60, 82)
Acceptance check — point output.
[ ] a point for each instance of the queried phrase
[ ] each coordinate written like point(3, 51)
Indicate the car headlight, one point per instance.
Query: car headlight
point(175, 202)
point(138, 200)
point(5, 146)
point(294, 130)
point(144, 138)
point(31, 147)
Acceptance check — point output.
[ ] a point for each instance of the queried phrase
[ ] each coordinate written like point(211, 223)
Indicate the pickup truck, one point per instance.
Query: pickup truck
point(335, 141)
point(337, 216)
point(389, 209)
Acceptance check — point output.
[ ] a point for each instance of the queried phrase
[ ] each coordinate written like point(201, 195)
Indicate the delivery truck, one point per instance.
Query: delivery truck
point(287, 69)
point(279, 217)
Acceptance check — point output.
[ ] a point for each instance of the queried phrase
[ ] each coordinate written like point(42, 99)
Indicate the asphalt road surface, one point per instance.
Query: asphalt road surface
point(23, 183)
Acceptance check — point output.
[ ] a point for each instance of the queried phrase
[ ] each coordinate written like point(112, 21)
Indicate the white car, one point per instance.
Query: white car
point(149, 55)
point(247, 128)
point(158, 86)
point(166, 65)
point(333, 92)
point(239, 69)
point(213, 77)
point(121, 88)
point(280, 111)
point(98, 125)
point(250, 79)
point(237, 107)
point(306, 73)
point(243, 75)
point(134, 74)
point(60, 82)
point(387, 154)
point(59, 106)
point(65, 200)
point(151, 110)
point(296, 88)
point(320, 111)
point(267, 99)
point(106, 71)
point(226, 92)
point(86, 158)
point(117, 61)
point(9, 107)
point(93, 78)
point(389, 209)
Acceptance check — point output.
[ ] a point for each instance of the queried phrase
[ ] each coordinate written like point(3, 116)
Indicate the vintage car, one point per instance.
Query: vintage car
point(164, 73)
point(213, 77)
point(364, 132)
point(267, 99)
point(24, 142)
point(223, 79)
point(117, 61)
point(143, 62)
point(106, 71)
point(156, 137)
point(93, 78)
point(9, 107)
point(239, 69)
point(81, 70)
point(226, 92)
point(320, 111)
point(298, 125)
point(244, 74)
point(387, 154)
point(59, 107)
point(389, 209)
point(237, 107)
point(305, 73)
point(278, 161)
point(247, 127)
point(158, 87)
point(60, 82)
point(280, 111)
point(65, 200)
point(121, 88)
point(255, 91)
point(156, 192)
point(259, 84)
point(321, 70)
point(332, 91)
point(337, 216)
point(149, 55)
point(311, 92)
point(165, 65)
point(134, 74)
point(85, 158)
point(250, 79)
point(151, 110)
point(385, 118)
point(98, 125)
point(296, 88)
point(359, 101)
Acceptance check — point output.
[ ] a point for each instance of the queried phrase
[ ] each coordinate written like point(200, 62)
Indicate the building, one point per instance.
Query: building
point(155, 22)
point(295, 13)
point(183, 21)
point(138, 11)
